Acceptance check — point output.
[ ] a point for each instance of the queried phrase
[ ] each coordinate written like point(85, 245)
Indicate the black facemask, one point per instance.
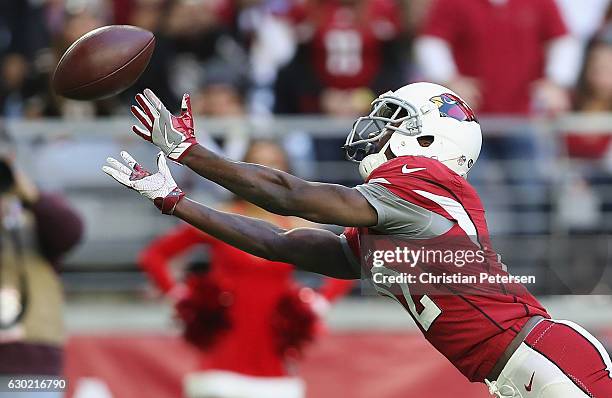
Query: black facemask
point(7, 180)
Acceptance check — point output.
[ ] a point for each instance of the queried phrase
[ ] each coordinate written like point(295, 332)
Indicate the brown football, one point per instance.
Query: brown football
point(103, 62)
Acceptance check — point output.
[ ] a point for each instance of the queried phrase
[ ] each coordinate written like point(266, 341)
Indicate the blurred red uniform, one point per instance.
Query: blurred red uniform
point(258, 295)
point(346, 38)
point(486, 37)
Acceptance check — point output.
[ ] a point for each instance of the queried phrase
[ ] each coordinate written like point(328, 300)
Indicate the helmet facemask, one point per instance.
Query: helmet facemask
point(389, 115)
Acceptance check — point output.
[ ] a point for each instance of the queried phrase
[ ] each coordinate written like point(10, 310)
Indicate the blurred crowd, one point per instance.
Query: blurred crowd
point(238, 58)
point(241, 57)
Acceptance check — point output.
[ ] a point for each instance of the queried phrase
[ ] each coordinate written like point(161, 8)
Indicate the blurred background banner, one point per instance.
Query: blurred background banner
point(121, 361)
point(105, 367)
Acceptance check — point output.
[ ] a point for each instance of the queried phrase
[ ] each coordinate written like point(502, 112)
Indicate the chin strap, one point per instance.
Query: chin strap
point(371, 162)
point(450, 162)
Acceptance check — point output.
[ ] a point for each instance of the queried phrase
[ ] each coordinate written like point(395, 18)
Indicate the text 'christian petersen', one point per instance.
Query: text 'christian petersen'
point(448, 278)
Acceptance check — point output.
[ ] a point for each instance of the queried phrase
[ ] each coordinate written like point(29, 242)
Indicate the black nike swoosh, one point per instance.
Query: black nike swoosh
point(529, 386)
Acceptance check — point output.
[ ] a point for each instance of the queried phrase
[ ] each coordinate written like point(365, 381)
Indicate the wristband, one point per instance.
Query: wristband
point(168, 204)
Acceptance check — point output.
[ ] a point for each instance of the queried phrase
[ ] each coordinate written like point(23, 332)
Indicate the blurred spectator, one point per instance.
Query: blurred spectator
point(594, 95)
point(349, 51)
point(197, 34)
point(23, 40)
point(502, 56)
point(79, 18)
point(584, 17)
point(584, 195)
point(267, 28)
point(222, 94)
point(222, 91)
point(246, 314)
point(36, 230)
point(505, 57)
point(594, 89)
point(346, 48)
point(415, 14)
point(148, 14)
point(15, 88)
point(34, 35)
point(22, 27)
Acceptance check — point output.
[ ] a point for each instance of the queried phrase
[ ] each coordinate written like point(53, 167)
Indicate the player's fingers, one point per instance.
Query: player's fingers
point(186, 104)
point(117, 165)
point(153, 99)
point(162, 165)
point(118, 176)
point(142, 132)
point(142, 117)
point(130, 161)
point(147, 107)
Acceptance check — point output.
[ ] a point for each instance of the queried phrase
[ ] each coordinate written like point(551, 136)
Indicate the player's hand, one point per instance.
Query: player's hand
point(159, 187)
point(174, 135)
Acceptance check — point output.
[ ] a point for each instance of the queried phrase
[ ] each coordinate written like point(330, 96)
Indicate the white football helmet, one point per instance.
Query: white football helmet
point(424, 119)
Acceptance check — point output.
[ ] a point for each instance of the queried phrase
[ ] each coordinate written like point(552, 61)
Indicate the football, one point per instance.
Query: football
point(103, 62)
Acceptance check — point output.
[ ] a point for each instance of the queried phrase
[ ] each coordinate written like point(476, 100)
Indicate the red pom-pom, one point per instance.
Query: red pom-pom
point(204, 311)
point(295, 324)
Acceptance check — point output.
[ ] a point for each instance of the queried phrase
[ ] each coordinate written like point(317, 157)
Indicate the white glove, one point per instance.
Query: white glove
point(174, 135)
point(159, 187)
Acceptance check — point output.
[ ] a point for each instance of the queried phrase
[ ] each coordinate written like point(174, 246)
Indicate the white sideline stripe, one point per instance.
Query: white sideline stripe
point(455, 209)
point(602, 351)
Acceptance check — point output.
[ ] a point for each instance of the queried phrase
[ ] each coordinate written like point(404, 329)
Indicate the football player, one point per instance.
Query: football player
point(414, 150)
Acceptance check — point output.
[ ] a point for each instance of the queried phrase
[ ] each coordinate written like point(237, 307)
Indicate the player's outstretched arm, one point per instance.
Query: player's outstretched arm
point(271, 189)
point(309, 249)
point(283, 193)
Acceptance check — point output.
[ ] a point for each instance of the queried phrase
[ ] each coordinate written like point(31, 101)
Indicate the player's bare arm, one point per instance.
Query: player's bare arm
point(283, 193)
point(271, 189)
point(309, 249)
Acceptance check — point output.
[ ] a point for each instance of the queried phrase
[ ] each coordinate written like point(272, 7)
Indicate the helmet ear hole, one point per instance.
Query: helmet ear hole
point(425, 140)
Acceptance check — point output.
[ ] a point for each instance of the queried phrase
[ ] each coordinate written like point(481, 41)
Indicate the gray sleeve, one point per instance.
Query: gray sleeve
point(398, 216)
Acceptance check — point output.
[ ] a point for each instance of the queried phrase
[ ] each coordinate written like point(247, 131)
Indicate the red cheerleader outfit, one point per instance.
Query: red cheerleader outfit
point(255, 292)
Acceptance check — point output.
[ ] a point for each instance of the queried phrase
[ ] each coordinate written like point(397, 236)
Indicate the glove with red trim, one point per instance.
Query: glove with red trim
point(159, 187)
point(174, 135)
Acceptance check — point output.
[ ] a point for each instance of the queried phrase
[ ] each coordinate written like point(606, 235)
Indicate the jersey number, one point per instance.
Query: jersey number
point(343, 52)
point(430, 310)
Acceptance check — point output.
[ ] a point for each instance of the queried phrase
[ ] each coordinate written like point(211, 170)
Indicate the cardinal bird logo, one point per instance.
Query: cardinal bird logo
point(452, 106)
